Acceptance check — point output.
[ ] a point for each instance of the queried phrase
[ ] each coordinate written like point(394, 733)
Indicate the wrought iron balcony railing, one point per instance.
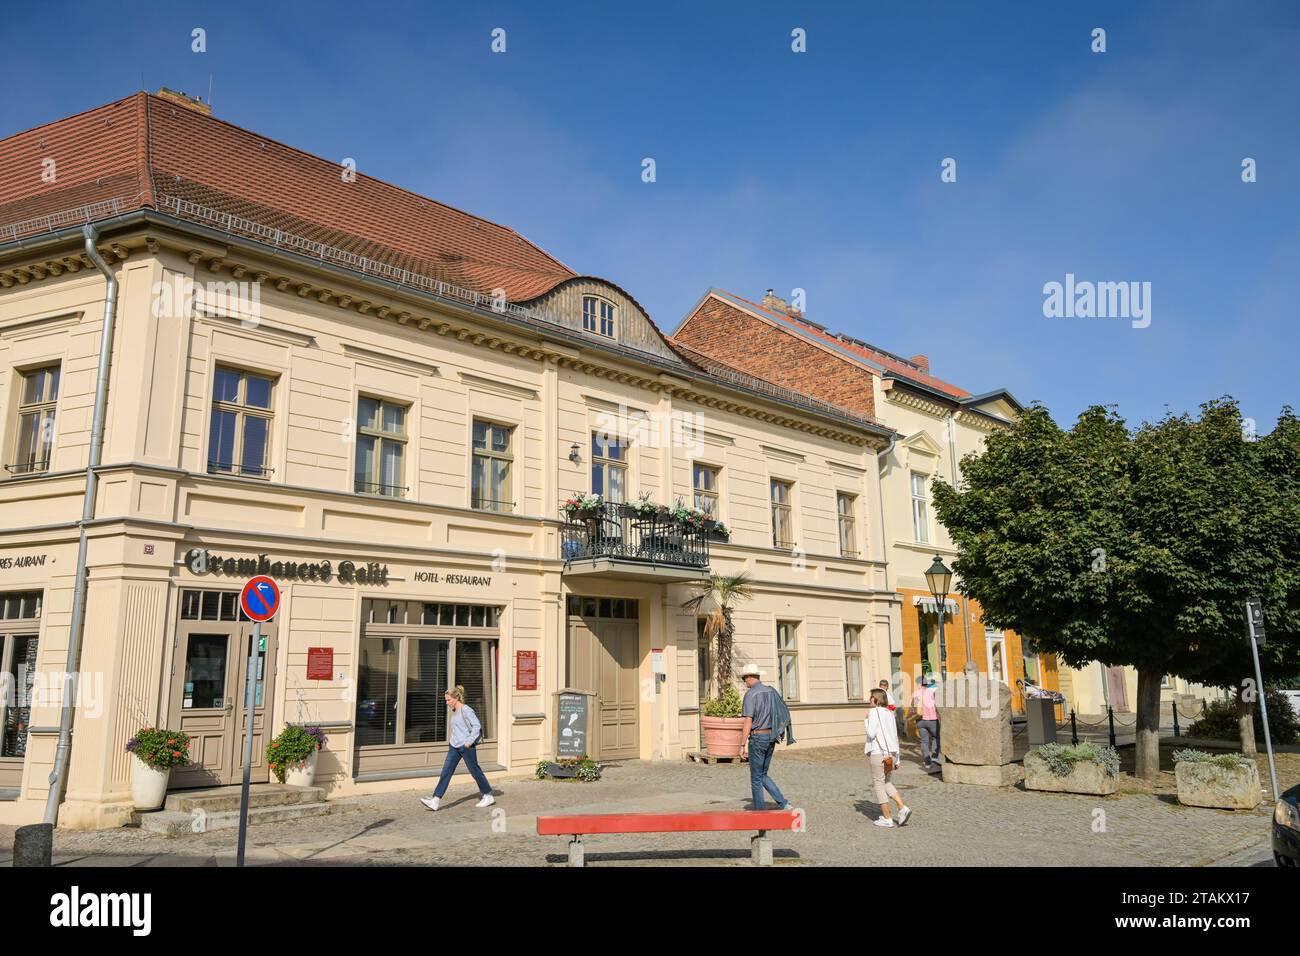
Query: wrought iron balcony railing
point(615, 531)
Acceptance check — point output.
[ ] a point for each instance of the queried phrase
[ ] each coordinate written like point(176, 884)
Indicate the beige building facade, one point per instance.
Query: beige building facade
point(396, 455)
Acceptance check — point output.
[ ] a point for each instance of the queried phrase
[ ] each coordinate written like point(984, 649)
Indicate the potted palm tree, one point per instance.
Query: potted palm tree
point(721, 723)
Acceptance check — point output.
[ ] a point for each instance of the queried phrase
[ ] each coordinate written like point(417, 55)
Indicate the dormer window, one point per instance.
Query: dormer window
point(598, 315)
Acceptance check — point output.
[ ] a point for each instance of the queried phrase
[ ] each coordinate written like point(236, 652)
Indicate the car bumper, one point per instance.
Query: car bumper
point(1286, 846)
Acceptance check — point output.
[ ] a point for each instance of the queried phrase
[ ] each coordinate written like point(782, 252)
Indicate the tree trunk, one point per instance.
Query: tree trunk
point(1147, 745)
point(725, 636)
point(1246, 723)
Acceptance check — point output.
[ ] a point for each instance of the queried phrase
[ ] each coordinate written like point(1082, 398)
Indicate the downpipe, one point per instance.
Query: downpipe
point(952, 458)
point(59, 775)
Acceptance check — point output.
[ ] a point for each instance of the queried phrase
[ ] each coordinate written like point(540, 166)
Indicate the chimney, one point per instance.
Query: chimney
point(775, 303)
point(922, 361)
point(194, 103)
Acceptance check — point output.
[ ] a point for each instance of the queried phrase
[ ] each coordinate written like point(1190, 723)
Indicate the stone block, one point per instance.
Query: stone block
point(1084, 777)
point(34, 845)
point(975, 721)
point(981, 775)
point(1225, 788)
point(760, 851)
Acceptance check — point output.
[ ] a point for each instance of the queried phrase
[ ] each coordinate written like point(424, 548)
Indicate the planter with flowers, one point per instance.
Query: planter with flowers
point(293, 753)
point(154, 751)
point(582, 769)
point(1226, 781)
point(1084, 768)
point(643, 509)
point(584, 508)
point(722, 724)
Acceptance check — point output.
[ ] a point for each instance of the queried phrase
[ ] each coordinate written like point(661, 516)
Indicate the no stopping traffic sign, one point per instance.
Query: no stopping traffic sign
point(260, 598)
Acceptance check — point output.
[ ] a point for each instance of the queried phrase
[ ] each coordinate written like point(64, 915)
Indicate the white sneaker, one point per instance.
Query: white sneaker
point(903, 814)
point(487, 801)
point(431, 802)
point(883, 822)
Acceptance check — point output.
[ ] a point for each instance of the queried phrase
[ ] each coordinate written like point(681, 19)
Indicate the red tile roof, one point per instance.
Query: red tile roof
point(891, 363)
point(144, 151)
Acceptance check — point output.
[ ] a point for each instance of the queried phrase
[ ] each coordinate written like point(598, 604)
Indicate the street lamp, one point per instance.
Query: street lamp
point(939, 578)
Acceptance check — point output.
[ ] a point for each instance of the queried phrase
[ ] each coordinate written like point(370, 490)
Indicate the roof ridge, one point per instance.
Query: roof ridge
point(144, 149)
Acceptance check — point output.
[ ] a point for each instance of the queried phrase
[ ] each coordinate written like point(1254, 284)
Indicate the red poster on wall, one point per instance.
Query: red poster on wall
point(525, 670)
point(320, 663)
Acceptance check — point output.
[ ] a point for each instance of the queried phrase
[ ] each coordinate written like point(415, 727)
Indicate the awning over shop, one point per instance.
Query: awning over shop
point(929, 605)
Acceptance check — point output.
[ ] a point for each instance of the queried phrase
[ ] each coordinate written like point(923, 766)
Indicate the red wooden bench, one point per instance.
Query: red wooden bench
point(578, 825)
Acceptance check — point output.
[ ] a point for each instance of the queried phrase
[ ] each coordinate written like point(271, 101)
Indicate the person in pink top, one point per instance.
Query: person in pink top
point(927, 721)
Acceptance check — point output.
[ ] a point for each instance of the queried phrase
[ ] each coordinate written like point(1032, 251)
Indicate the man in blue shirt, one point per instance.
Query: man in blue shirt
point(760, 735)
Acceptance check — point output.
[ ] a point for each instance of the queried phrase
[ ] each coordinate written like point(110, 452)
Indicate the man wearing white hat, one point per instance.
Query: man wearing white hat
point(766, 719)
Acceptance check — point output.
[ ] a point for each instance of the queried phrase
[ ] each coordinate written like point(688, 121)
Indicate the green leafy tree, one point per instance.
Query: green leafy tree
point(1135, 547)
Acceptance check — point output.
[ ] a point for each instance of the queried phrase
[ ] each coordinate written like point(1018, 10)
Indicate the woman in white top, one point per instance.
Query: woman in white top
point(882, 745)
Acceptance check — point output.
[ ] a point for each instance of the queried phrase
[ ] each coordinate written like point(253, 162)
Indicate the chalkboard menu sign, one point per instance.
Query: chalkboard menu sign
point(572, 724)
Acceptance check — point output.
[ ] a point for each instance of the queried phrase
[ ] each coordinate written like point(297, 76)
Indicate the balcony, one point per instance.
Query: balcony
point(615, 541)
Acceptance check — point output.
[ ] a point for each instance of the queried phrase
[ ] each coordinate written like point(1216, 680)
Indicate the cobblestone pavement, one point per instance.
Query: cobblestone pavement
point(951, 825)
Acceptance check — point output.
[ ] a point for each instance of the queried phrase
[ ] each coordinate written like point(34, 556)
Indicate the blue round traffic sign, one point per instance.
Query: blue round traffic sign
point(260, 598)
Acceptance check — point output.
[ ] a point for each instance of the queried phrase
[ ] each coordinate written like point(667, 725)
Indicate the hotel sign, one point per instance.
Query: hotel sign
point(443, 577)
point(202, 561)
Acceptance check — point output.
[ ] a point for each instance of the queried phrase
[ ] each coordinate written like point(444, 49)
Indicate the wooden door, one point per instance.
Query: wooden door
point(207, 701)
point(1117, 689)
point(603, 658)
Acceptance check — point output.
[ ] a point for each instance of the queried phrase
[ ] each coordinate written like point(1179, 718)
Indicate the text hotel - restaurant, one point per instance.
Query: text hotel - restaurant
point(383, 402)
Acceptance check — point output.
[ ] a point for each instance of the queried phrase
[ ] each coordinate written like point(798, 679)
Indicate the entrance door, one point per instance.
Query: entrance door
point(207, 701)
point(604, 653)
point(1117, 689)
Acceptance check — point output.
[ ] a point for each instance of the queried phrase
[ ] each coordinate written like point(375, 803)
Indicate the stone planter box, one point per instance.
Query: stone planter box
point(1084, 777)
point(1224, 788)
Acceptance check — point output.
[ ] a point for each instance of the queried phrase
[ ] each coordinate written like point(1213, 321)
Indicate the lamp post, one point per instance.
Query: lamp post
point(939, 578)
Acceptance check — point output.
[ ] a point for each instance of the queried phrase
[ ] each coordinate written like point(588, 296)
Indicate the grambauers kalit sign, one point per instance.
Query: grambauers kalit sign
point(202, 561)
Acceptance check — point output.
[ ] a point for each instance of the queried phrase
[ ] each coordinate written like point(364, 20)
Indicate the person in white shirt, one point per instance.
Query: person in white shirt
point(889, 697)
point(882, 755)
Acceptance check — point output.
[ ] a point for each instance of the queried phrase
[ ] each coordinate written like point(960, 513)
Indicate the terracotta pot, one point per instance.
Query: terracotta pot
point(148, 785)
point(722, 735)
point(302, 774)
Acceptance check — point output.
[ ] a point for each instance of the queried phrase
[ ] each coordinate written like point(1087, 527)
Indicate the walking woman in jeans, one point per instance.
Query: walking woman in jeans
point(882, 749)
point(465, 733)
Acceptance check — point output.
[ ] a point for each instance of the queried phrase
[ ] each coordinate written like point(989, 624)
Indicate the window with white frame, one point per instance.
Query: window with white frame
point(782, 518)
point(787, 658)
point(846, 506)
point(853, 661)
point(609, 466)
point(239, 442)
point(705, 480)
point(38, 397)
point(381, 447)
point(599, 315)
point(920, 508)
point(490, 479)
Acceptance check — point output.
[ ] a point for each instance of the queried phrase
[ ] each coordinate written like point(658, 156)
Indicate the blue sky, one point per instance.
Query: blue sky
point(818, 170)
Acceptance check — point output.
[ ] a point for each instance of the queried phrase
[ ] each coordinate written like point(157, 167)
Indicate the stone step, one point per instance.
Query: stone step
point(177, 823)
point(222, 799)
